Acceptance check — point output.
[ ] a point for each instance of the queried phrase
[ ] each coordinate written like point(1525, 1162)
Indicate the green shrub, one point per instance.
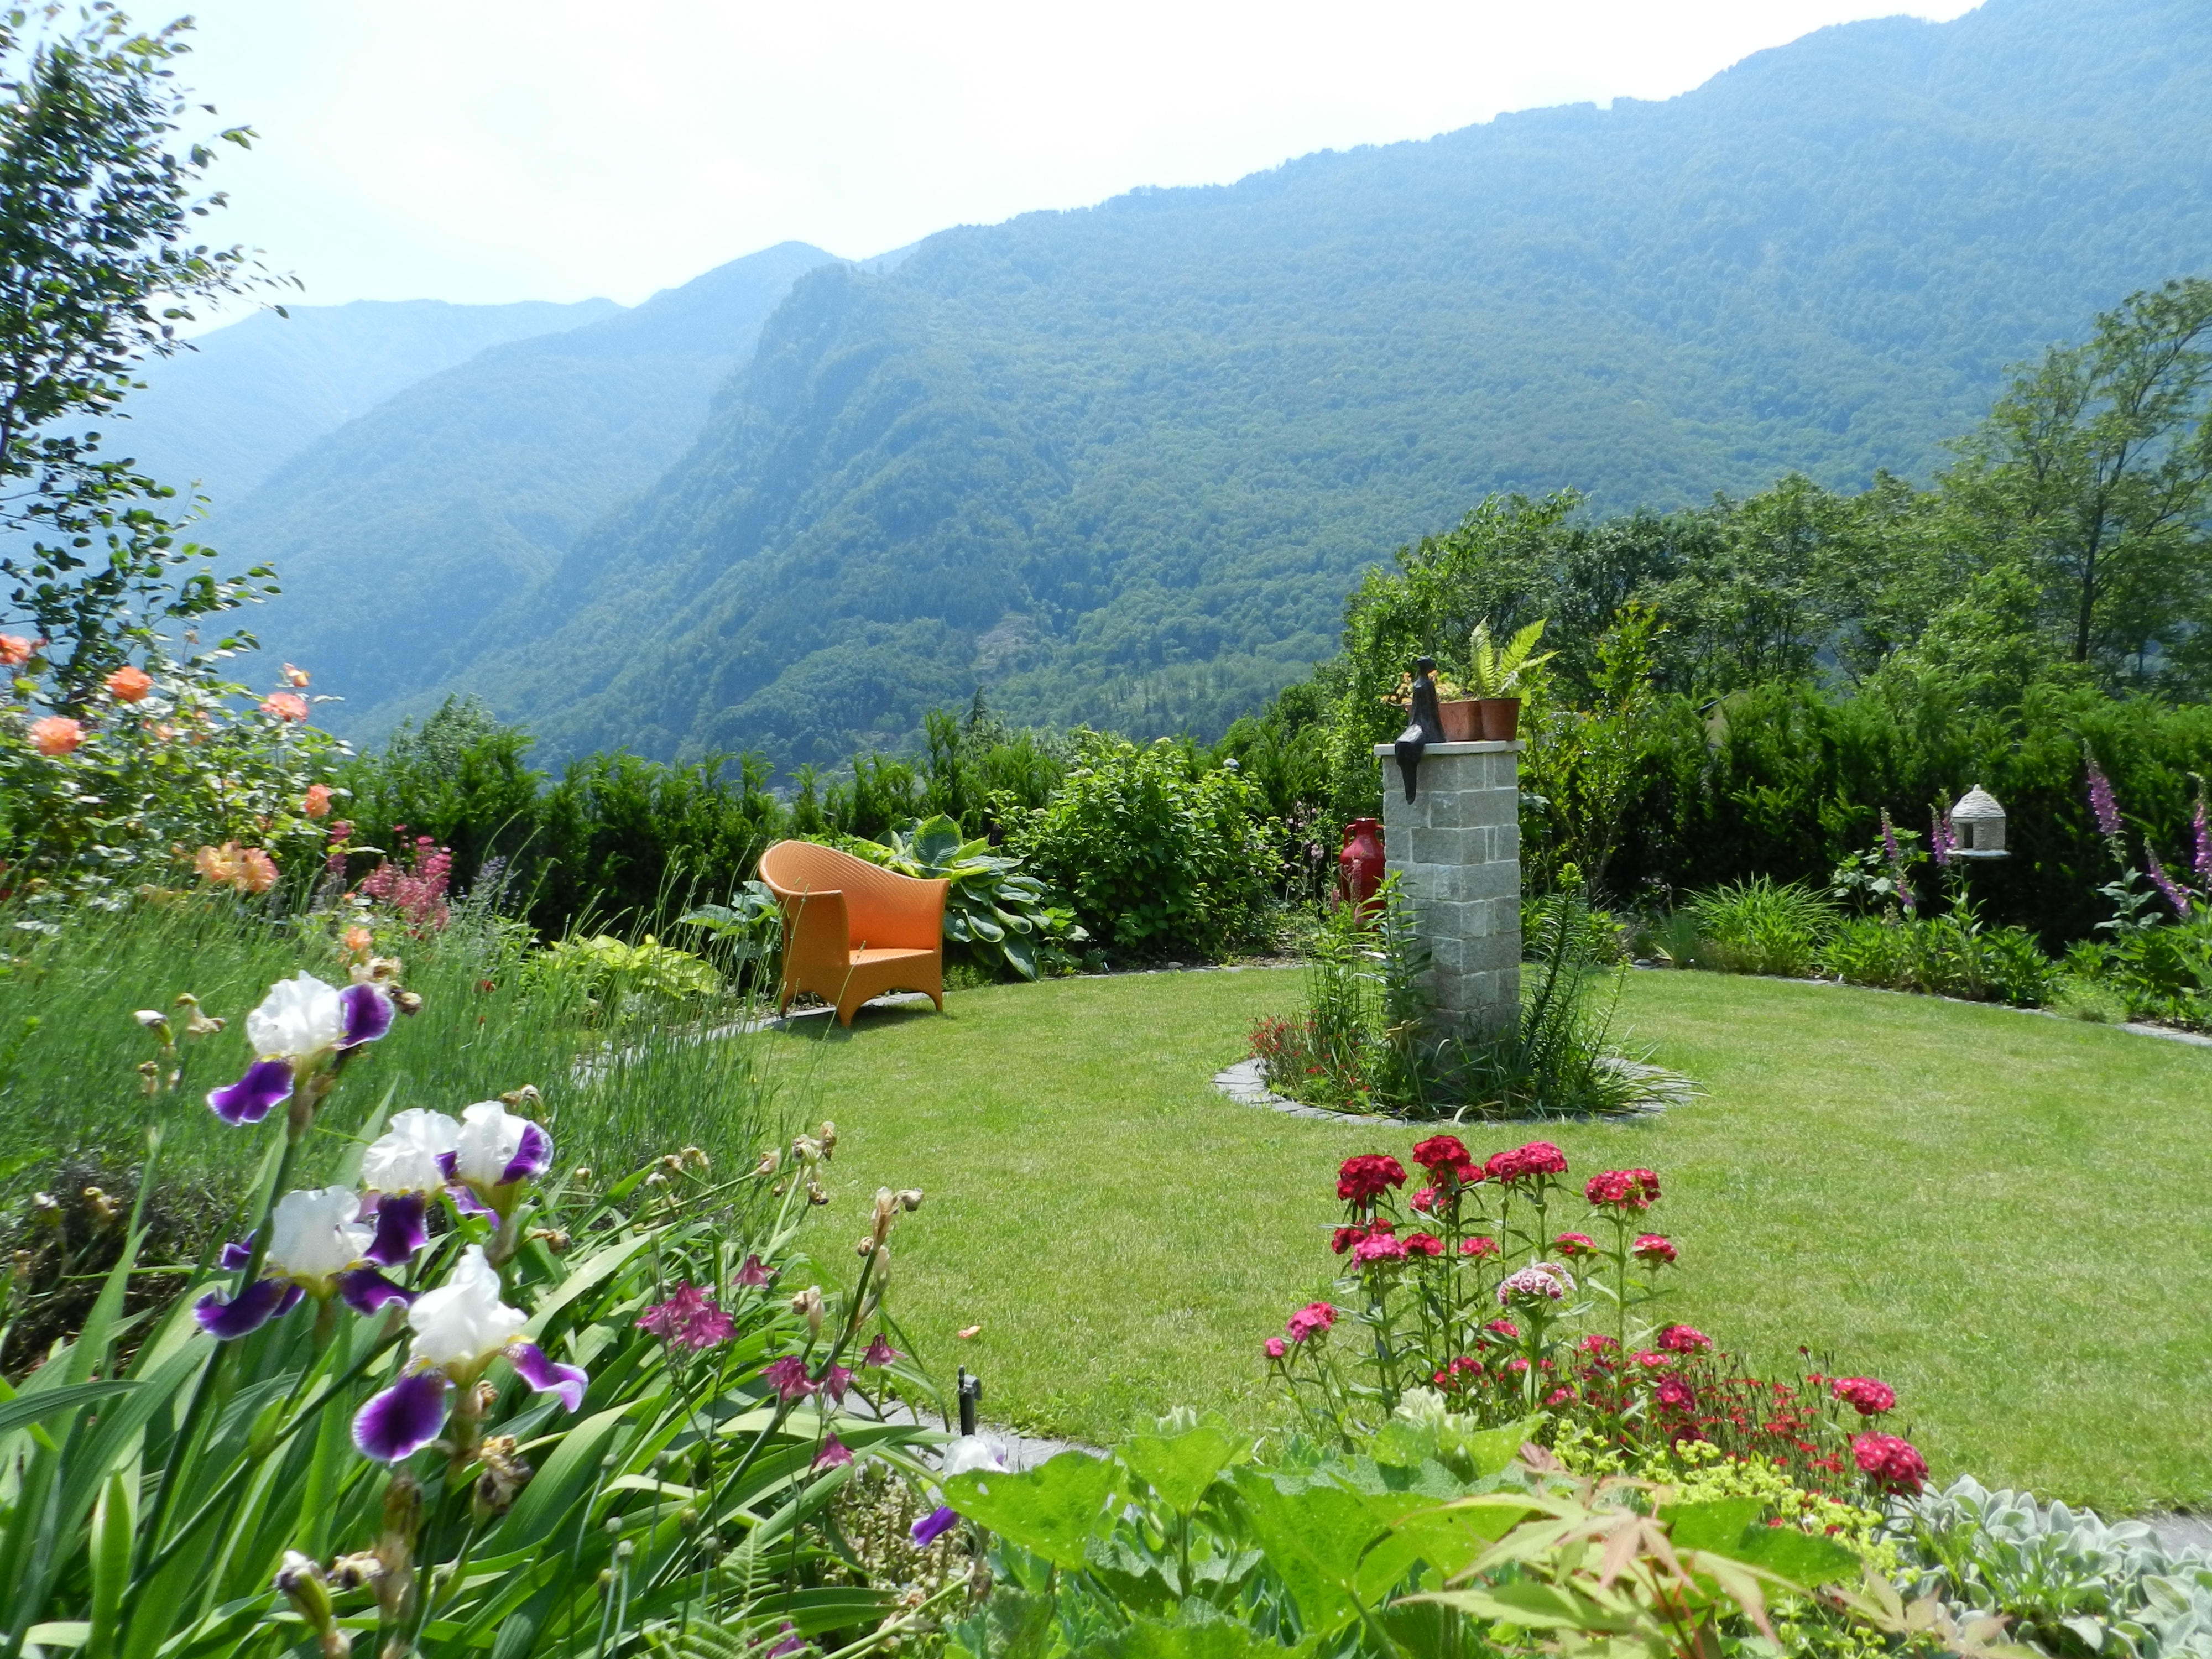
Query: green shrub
point(1950, 955)
point(1160, 853)
point(1867, 950)
point(1761, 926)
point(620, 982)
point(1000, 918)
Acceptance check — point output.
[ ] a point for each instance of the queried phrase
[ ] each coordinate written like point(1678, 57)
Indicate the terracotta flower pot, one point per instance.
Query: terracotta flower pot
point(1462, 718)
point(1501, 719)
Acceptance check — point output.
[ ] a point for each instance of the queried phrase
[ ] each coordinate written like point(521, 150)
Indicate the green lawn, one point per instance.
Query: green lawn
point(2010, 1217)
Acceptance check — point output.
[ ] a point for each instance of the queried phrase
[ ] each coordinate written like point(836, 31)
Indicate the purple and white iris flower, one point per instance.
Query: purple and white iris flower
point(401, 1169)
point(318, 1247)
point(494, 1153)
point(460, 1328)
point(300, 1025)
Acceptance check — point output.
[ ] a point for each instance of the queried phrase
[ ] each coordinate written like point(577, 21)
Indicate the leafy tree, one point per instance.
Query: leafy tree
point(97, 269)
point(2094, 473)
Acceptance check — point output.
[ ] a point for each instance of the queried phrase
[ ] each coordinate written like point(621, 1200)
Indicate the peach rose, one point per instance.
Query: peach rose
point(257, 870)
point(318, 803)
point(57, 734)
point(128, 685)
point(218, 864)
point(15, 650)
point(285, 705)
point(295, 677)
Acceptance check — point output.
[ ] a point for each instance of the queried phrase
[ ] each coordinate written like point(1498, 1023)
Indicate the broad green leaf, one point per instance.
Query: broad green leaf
point(1049, 1510)
point(28, 1407)
point(1180, 1467)
point(1190, 1638)
point(1717, 1525)
point(1802, 1557)
point(1315, 1537)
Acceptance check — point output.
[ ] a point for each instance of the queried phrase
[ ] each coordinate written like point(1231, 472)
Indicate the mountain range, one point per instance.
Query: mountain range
point(1122, 464)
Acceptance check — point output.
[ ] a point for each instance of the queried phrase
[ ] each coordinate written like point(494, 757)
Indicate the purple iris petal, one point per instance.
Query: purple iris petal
point(933, 1526)
point(368, 1014)
point(402, 1420)
point(399, 1230)
point(236, 1256)
point(226, 1320)
point(467, 1202)
point(548, 1375)
point(531, 1159)
point(267, 1083)
point(366, 1290)
point(448, 1165)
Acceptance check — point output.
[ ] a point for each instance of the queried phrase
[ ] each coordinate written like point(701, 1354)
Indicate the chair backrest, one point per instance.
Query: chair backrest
point(883, 908)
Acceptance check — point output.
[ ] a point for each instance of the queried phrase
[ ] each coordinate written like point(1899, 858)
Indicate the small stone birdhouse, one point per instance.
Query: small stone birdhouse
point(1979, 824)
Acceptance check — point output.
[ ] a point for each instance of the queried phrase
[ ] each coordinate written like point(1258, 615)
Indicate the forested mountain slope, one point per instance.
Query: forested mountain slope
point(1122, 464)
point(244, 397)
point(396, 535)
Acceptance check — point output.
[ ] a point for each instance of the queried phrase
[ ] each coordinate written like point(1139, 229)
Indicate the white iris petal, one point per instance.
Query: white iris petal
point(463, 1322)
point(313, 1235)
point(490, 1137)
point(404, 1158)
point(299, 1015)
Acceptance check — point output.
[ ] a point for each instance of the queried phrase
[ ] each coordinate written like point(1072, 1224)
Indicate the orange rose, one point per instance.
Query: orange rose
point(129, 684)
point(15, 650)
point(57, 734)
point(358, 941)
point(257, 870)
point(285, 705)
point(318, 803)
point(218, 864)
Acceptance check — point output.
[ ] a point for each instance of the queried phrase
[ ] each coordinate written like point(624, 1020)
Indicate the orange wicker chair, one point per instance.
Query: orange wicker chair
point(853, 931)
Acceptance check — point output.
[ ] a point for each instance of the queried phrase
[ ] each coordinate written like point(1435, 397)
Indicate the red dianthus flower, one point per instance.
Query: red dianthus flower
point(1444, 1155)
point(1537, 1158)
point(1626, 1189)
point(1481, 1245)
point(1423, 1245)
point(1364, 1179)
point(1653, 1250)
point(1890, 1463)
point(1864, 1395)
point(1684, 1339)
point(1571, 1245)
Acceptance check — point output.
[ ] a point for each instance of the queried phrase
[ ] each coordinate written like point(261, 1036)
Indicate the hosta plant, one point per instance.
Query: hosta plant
point(457, 1402)
point(998, 914)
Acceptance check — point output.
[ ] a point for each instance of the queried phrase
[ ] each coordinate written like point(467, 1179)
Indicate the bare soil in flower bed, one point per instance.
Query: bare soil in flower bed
point(2000, 1216)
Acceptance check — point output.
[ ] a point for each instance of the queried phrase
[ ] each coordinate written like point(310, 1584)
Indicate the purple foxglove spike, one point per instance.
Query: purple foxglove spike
point(467, 1202)
point(399, 1230)
point(236, 1255)
point(366, 1290)
point(933, 1526)
point(267, 1083)
point(531, 1159)
point(368, 1014)
point(548, 1375)
point(226, 1320)
point(402, 1420)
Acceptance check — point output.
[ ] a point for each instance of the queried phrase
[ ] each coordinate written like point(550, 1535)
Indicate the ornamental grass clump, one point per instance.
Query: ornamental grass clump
point(460, 1390)
point(1521, 1297)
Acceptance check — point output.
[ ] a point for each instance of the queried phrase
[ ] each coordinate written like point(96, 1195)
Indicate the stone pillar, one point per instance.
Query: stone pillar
point(1456, 850)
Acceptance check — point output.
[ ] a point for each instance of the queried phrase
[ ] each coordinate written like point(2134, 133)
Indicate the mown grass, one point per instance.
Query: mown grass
point(2002, 1214)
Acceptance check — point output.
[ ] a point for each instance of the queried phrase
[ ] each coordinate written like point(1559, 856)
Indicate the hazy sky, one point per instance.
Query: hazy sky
point(505, 149)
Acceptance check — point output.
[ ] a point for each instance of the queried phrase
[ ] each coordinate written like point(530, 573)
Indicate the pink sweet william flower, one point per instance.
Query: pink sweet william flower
point(1890, 1464)
point(1314, 1317)
point(1653, 1250)
point(788, 1377)
point(1424, 1200)
point(1864, 1395)
point(1532, 1162)
point(1674, 1394)
point(1571, 1245)
point(1478, 1245)
point(1423, 1245)
point(1446, 1155)
point(1504, 1327)
point(690, 1320)
point(1623, 1189)
point(1277, 1347)
point(1684, 1339)
point(1537, 1284)
point(1653, 1360)
point(1379, 1247)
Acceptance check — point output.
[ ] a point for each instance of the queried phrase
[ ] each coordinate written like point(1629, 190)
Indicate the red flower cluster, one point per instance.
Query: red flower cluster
point(1314, 1317)
point(1446, 1155)
point(1571, 1245)
point(1378, 1246)
point(1480, 1244)
point(1364, 1179)
point(1538, 1158)
point(1423, 1245)
point(1653, 1250)
point(1423, 1201)
point(1891, 1463)
point(1684, 1339)
point(1623, 1189)
point(1863, 1395)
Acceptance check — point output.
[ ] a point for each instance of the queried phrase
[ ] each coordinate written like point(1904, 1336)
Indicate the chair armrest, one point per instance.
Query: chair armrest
point(816, 937)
